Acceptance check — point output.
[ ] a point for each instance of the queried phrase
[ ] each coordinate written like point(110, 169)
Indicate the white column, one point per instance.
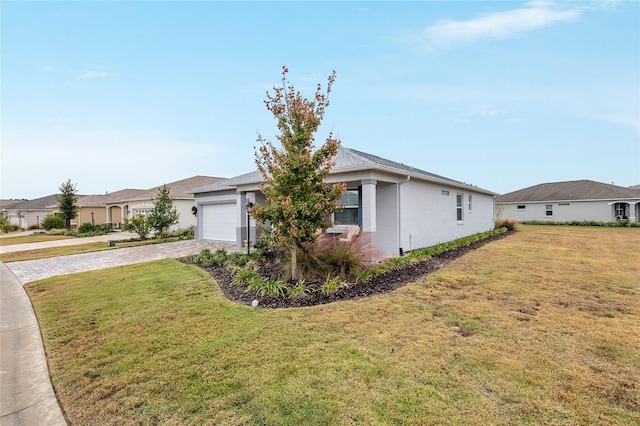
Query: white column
point(369, 205)
point(632, 212)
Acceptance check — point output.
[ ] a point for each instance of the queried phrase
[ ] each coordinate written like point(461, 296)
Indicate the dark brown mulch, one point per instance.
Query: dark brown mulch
point(383, 283)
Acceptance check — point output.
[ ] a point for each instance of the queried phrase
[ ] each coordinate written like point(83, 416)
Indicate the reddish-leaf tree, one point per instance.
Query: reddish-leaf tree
point(298, 201)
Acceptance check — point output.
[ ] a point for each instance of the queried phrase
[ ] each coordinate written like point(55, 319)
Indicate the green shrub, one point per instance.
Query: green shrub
point(616, 224)
point(86, 228)
point(298, 289)
point(5, 225)
point(330, 285)
point(52, 221)
point(244, 277)
point(138, 224)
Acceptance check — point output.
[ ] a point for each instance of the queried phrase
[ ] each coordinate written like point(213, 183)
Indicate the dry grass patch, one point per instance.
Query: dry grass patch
point(540, 327)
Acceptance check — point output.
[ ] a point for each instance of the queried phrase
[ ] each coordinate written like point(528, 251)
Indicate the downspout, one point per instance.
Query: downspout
point(399, 213)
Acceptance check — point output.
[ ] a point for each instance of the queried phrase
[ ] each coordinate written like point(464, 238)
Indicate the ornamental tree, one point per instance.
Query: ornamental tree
point(163, 214)
point(67, 202)
point(298, 201)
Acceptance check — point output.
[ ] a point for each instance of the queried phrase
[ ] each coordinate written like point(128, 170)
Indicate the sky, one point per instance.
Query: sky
point(498, 94)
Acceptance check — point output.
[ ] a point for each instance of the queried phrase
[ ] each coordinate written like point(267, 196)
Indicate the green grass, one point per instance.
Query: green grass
point(34, 238)
point(540, 327)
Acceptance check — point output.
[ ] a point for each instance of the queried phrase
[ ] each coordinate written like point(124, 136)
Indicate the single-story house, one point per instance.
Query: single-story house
point(29, 213)
point(111, 208)
point(579, 200)
point(400, 208)
point(127, 203)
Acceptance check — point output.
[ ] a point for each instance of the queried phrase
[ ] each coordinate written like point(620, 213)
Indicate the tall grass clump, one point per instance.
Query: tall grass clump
point(508, 223)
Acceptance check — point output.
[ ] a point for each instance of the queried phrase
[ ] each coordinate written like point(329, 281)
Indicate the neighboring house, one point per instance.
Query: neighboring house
point(580, 200)
point(111, 208)
point(105, 209)
point(28, 213)
point(398, 207)
point(131, 202)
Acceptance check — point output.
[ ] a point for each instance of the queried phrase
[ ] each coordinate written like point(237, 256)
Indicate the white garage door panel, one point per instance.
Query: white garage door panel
point(219, 222)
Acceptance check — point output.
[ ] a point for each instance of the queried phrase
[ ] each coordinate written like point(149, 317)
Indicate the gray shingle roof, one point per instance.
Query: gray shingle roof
point(346, 159)
point(42, 203)
point(570, 190)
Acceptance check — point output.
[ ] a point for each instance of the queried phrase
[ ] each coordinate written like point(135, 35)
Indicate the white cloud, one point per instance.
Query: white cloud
point(47, 69)
point(96, 74)
point(620, 119)
point(448, 33)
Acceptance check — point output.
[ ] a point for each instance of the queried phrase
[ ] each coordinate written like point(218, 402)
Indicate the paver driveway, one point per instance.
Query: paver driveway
point(32, 270)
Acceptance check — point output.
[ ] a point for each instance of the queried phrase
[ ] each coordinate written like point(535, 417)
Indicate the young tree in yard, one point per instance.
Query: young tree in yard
point(298, 201)
point(138, 224)
point(67, 202)
point(163, 214)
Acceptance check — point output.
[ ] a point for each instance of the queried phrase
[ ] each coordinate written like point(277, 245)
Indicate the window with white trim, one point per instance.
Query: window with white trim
point(470, 203)
point(548, 210)
point(459, 205)
point(350, 212)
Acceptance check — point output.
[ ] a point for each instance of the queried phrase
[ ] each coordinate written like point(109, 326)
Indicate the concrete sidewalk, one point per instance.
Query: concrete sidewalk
point(26, 393)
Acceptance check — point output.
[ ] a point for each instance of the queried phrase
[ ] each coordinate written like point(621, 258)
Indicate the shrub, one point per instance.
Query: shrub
point(138, 224)
point(298, 289)
point(86, 228)
point(244, 277)
point(5, 225)
point(505, 222)
point(330, 285)
point(616, 224)
point(52, 221)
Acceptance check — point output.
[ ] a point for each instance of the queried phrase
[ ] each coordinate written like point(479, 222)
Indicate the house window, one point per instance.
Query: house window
point(143, 212)
point(522, 207)
point(470, 203)
point(620, 211)
point(548, 210)
point(444, 192)
point(349, 214)
point(459, 204)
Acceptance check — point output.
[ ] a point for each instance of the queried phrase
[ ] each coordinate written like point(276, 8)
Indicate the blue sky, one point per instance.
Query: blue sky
point(502, 95)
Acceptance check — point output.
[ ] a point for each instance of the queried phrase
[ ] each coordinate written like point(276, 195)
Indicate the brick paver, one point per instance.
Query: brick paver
point(32, 270)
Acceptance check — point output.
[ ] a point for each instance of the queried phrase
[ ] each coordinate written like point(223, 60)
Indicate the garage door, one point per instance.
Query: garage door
point(219, 222)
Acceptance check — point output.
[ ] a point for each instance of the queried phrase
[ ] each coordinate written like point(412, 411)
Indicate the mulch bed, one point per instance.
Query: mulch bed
point(383, 283)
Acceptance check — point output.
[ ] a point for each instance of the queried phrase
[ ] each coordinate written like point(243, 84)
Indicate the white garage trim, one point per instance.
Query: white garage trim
point(219, 222)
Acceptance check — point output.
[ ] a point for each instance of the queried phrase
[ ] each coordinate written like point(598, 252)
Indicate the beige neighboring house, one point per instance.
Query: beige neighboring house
point(134, 202)
point(111, 208)
point(29, 213)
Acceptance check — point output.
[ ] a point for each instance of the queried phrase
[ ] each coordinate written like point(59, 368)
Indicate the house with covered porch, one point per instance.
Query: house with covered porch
point(398, 207)
point(578, 200)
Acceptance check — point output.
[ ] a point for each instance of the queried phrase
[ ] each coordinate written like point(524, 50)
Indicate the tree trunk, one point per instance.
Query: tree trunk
point(294, 263)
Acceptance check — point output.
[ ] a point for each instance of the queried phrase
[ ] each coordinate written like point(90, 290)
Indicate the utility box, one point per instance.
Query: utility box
point(111, 243)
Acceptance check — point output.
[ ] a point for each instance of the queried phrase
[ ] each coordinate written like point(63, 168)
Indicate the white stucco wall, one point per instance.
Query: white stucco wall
point(428, 217)
point(600, 211)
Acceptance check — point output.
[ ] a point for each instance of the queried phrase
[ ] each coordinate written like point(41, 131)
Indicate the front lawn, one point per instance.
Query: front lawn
point(539, 327)
point(33, 238)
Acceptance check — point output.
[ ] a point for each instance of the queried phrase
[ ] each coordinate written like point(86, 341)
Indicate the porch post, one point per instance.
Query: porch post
point(632, 212)
point(369, 205)
point(241, 228)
